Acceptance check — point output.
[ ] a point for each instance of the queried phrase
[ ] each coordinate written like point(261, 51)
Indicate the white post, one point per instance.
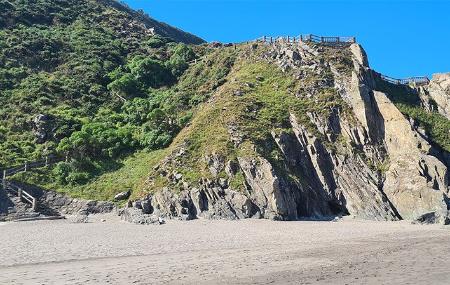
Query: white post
point(4, 180)
point(26, 166)
point(46, 161)
point(34, 205)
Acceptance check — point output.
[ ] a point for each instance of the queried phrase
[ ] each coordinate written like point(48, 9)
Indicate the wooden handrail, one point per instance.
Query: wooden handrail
point(418, 80)
point(310, 38)
point(22, 194)
point(49, 160)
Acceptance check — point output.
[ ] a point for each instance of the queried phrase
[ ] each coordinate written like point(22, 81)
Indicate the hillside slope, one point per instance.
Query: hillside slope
point(113, 14)
point(62, 63)
point(280, 131)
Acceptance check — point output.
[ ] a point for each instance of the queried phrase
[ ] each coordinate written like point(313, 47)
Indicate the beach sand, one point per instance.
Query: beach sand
point(224, 252)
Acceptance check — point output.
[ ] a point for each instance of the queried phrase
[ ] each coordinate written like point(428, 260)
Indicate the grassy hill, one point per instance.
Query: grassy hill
point(76, 61)
point(135, 102)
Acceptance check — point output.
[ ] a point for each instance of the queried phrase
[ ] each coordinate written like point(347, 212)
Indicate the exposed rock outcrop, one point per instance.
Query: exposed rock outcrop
point(43, 127)
point(57, 203)
point(416, 182)
point(439, 91)
point(364, 159)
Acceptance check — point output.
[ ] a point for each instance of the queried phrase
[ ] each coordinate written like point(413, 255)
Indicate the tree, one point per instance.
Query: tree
point(126, 85)
point(150, 73)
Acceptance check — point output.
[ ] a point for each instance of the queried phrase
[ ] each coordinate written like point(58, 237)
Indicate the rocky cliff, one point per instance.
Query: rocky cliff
point(323, 143)
point(439, 91)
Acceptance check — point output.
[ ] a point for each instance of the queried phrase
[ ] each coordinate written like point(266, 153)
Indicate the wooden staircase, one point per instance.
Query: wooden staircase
point(15, 202)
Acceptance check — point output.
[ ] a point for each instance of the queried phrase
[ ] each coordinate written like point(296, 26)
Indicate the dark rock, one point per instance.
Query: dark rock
point(231, 168)
point(137, 204)
point(43, 127)
point(135, 216)
point(147, 207)
point(238, 93)
point(215, 44)
point(432, 218)
point(223, 183)
point(215, 163)
point(122, 195)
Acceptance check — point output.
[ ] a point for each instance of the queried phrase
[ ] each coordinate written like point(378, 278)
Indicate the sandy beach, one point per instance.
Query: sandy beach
point(224, 252)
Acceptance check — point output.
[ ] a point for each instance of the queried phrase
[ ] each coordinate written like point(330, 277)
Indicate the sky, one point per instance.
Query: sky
point(402, 38)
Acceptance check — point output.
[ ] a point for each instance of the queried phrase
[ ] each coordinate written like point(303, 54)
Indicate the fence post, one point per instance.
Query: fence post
point(19, 193)
point(321, 39)
point(46, 161)
point(34, 204)
point(4, 180)
point(26, 166)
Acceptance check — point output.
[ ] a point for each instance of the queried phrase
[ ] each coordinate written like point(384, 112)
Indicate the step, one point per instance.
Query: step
point(40, 218)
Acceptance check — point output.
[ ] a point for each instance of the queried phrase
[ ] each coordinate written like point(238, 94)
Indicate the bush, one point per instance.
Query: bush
point(157, 41)
point(150, 73)
point(181, 55)
point(159, 131)
point(99, 140)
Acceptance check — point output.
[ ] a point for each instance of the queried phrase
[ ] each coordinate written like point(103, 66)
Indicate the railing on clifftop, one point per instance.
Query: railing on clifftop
point(333, 41)
point(416, 80)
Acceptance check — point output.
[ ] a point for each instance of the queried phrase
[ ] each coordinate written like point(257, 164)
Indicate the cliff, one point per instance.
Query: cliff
point(322, 143)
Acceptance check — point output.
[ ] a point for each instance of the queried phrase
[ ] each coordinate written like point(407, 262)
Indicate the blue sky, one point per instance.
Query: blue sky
point(402, 38)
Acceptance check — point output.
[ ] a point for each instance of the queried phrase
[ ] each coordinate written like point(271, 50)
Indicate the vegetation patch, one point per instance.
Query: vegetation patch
point(408, 102)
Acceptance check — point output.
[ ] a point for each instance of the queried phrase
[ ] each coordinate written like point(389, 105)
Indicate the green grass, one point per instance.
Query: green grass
point(269, 97)
point(268, 100)
point(436, 125)
point(130, 176)
point(408, 102)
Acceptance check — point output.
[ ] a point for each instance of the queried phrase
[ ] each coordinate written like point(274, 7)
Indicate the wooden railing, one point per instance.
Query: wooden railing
point(309, 38)
point(416, 80)
point(22, 194)
point(342, 41)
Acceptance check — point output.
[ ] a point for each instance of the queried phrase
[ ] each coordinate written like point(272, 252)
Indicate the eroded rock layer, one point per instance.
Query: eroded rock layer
point(362, 157)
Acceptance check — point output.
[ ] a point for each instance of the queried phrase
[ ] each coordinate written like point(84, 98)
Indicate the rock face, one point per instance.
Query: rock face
point(122, 195)
point(416, 182)
point(49, 204)
point(371, 163)
point(439, 91)
point(52, 203)
point(43, 127)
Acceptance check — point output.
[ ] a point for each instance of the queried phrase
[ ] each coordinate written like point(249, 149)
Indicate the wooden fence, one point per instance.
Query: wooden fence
point(341, 41)
point(334, 41)
point(22, 194)
point(416, 80)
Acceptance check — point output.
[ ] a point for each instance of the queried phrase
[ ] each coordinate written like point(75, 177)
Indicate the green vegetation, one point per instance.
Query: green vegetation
point(120, 101)
point(107, 85)
point(408, 102)
point(131, 172)
point(256, 100)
